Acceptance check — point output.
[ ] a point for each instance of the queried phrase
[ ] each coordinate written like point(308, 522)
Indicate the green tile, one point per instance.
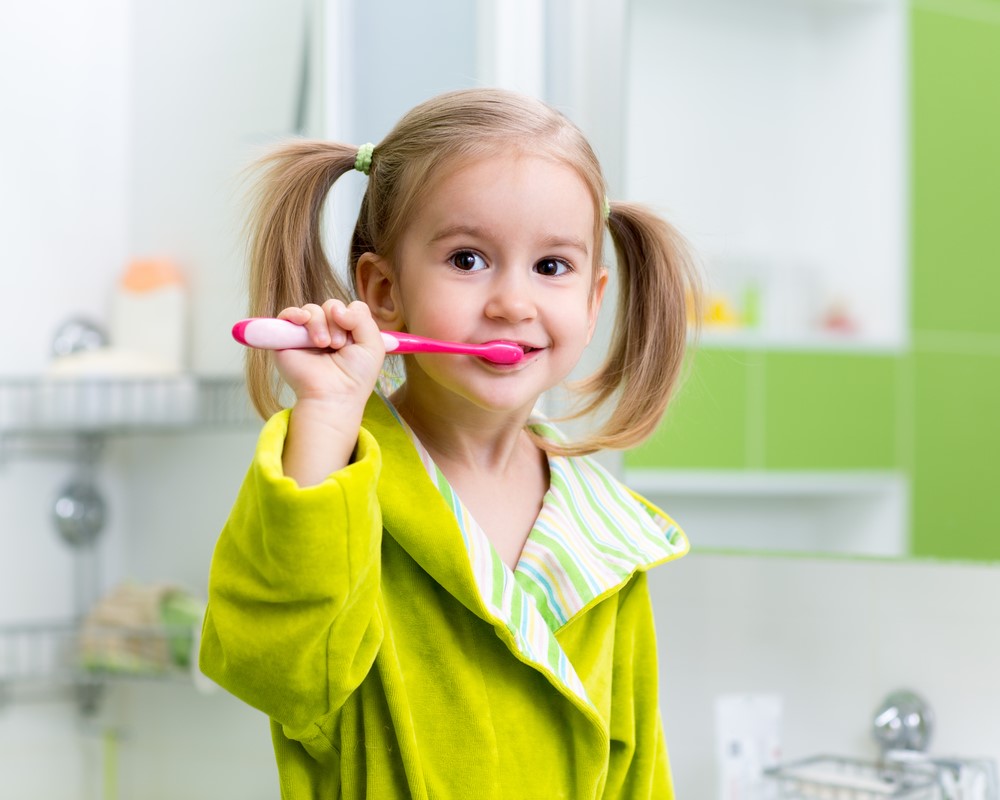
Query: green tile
point(830, 411)
point(706, 425)
point(956, 476)
point(955, 102)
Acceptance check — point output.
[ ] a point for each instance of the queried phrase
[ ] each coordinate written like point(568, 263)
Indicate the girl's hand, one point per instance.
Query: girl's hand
point(332, 384)
point(348, 357)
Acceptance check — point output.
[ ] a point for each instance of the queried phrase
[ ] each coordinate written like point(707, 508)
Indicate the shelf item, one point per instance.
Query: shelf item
point(141, 628)
point(853, 779)
point(103, 405)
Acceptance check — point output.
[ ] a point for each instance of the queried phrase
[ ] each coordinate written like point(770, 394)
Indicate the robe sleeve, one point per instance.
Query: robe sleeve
point(292, 626)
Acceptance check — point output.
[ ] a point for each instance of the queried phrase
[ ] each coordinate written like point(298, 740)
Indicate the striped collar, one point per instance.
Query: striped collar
point(591, 535)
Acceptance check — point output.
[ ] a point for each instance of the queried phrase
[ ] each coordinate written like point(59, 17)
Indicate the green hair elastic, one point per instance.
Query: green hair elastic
point(606, 208)
point(363, 162)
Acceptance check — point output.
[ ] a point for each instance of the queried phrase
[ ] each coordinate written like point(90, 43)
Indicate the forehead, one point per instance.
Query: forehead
point(516, 191)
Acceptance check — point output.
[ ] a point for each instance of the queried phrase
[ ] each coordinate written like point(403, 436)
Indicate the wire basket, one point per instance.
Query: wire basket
point(841, 778)
point(40, 659)
point(100, 404)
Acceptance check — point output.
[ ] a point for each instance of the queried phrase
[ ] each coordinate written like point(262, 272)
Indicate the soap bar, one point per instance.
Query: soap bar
point(148, 313)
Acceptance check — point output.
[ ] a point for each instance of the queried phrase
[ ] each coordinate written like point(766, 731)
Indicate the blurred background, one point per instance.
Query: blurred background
point(831, 454)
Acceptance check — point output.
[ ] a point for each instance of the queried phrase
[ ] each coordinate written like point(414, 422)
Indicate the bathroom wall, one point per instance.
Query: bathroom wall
point(64, 228)
point(125, 126)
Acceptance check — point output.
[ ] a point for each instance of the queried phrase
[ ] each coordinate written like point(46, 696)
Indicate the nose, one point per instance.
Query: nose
point(511, 298)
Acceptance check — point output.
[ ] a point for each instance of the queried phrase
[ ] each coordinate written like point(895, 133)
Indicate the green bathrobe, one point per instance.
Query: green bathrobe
point(397, 656)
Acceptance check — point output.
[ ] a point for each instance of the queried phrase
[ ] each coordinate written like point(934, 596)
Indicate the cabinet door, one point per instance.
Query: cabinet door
point(706, 426)
point(956, 278)
point(830, 411)
point(782, 411)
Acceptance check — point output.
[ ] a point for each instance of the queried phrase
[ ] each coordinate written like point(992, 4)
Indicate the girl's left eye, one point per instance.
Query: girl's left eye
point(552, 267)
point(467, 261)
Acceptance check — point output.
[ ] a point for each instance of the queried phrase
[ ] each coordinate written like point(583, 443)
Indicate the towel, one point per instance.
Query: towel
point(141, 630)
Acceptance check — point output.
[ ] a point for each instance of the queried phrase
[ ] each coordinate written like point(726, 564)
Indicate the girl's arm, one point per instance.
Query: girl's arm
point(292, 626)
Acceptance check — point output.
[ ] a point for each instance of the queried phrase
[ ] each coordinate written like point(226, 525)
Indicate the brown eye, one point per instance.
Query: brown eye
point(551, 267)
point(467, 261)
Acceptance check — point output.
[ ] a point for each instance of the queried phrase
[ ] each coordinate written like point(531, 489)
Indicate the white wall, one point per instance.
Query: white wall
point(833, 638)
point(124, 127)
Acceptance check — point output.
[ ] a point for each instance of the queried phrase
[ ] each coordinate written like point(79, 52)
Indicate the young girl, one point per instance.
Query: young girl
point(433, 594)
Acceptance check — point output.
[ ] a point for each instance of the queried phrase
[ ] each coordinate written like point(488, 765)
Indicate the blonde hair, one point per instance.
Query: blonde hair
point(656, 281)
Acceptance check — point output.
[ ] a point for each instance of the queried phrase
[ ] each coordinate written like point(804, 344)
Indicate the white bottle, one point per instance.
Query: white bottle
point(149, 315)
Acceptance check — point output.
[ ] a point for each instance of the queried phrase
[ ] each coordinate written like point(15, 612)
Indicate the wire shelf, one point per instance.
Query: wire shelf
point(38, 660)
point(38, 406)
point(841, 778)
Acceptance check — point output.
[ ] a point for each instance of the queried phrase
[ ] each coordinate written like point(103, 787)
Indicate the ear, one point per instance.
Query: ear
point(377, 287)
point(596, 298)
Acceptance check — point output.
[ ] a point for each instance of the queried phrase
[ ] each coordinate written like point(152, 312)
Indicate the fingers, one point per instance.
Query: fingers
point(357, 319)
point(334, 324)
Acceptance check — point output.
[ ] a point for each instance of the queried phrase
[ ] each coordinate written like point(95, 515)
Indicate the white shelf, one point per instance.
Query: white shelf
point(856, 513)
point(743, 339)
point(716, 483)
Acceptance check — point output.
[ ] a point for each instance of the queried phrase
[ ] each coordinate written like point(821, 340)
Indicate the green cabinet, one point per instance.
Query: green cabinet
point(956, 478)
point(831, 411)
point(782, 411)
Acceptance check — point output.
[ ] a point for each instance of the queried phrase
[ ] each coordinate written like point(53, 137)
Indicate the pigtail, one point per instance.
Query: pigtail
point(288, 266)
point(657, 295)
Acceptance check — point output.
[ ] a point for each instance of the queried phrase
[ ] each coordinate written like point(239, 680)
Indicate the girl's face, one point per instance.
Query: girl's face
point(502, 248)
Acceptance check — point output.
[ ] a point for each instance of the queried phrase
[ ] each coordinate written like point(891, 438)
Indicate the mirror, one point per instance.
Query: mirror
point(832, 163)
point(775, 134)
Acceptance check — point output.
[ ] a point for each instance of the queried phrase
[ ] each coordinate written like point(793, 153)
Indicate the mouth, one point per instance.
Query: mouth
point(509, 353)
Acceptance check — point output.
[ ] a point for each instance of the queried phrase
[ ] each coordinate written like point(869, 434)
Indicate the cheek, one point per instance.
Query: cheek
point(433, 313)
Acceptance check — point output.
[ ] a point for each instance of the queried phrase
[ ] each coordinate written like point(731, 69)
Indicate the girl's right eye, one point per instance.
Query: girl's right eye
point(467, 261)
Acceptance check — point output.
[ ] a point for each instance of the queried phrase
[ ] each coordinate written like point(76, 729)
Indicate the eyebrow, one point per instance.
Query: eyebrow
point(485, 233)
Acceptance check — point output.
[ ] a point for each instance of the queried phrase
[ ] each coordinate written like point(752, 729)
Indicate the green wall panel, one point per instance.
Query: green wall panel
point(830, 411)
point(956, 168)
point(706, 425)
point(956, 474)
point(955, 96)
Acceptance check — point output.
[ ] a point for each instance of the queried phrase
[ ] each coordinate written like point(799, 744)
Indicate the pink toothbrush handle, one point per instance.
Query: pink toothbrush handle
point(267, 333)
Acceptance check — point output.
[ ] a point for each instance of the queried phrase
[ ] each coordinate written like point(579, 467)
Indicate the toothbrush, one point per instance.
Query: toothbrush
point(269, 333)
